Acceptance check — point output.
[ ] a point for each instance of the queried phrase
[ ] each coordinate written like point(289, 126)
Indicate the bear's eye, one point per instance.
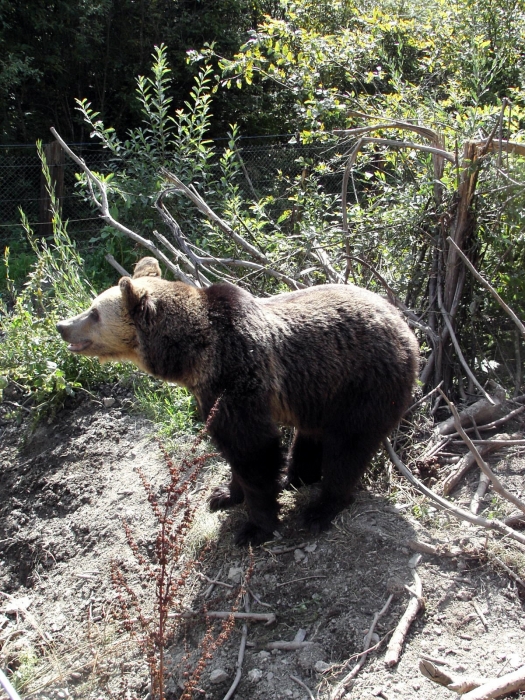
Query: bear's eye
point(95, 315)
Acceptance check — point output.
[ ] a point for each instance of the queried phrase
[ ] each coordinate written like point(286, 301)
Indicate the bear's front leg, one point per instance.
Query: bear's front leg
point(250, 442)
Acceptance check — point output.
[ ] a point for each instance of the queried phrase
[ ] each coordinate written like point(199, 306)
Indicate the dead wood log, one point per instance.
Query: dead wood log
point(461, 684)
point(468, 461)
point(480, 412)
point(497, 687)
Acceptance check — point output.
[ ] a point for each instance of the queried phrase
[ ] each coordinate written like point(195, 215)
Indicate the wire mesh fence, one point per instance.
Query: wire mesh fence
point(263, 160)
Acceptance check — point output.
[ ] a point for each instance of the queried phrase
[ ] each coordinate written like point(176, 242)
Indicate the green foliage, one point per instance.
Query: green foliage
point(32, 353)
point(422, 60)
point(170, 407)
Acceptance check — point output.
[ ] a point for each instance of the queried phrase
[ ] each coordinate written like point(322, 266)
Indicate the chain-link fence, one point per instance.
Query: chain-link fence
point(21, 184)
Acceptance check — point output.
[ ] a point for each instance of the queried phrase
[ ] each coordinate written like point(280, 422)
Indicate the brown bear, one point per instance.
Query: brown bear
point(336, 362)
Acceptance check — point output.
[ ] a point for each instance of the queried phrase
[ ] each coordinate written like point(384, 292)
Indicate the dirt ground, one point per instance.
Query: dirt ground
point(65, 490)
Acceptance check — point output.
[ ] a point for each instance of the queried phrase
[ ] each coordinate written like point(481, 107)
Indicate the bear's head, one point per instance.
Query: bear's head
point(108, 329)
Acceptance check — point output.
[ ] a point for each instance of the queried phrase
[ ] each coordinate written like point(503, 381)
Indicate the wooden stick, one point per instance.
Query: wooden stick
point(496, 483)
point(269, 618)
point(288, 646)
point(340, 688)
point(497, 687)
point(395, 645)
point(460, 684)
point(459, 513)
point(483, 485)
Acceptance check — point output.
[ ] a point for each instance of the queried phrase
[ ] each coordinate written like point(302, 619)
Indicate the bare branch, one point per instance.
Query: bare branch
point(395, 645)
point(103, 207)
point(210, 214)
point(489, 287)
point(111, 260)
point(459, 513)
point(457, 347)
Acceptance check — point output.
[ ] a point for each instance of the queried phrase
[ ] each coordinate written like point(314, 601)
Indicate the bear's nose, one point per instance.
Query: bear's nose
point(61, 327)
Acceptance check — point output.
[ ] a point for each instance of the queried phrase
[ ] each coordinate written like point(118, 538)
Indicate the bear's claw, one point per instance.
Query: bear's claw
point(249, 533)
point(220, 499)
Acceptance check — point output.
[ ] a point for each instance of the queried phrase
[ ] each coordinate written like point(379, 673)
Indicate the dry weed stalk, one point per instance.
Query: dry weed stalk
point(168, 570)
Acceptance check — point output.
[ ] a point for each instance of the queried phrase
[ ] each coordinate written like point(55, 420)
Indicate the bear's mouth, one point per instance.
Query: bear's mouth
point(78, 347)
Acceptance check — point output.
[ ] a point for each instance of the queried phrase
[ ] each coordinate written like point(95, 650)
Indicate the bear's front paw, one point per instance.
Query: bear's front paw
point(220, 498)
point(319, 515)
point(250, 533)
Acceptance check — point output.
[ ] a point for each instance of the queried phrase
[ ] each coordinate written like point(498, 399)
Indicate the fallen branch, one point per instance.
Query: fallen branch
point(460, 684)
point(436, 551)
point(496, 483)
point(288, 646)
point(479, 412)
point(442, 503)
point(494, 424)
point(497, 687)
point(268, 618)
point(467, 462)
point(483, 485)
point(341, 687)
point(395, 645)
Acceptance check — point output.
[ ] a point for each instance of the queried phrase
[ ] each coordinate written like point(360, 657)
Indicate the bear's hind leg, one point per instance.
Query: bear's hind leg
point(226, 495)
point(304, 461)
point(345, 458)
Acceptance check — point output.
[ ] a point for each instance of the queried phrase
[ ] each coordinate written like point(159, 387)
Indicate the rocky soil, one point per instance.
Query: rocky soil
point(66, 488)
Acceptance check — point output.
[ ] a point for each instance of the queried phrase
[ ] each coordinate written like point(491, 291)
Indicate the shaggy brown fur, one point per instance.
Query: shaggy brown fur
point(337, 362)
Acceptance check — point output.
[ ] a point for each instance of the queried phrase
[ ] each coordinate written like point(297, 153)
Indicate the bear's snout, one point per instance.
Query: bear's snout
point(73, 332)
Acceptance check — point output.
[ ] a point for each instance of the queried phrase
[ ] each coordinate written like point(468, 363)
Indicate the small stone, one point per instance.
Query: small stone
point(308, 656)
point(321, 666)
point(255, 675)
point(299, 555)
point(311, 547)
point(464, 595)
point(108, 402)
point(269, 676)
point(219, 675)
point(235, 573)
point(264, 655)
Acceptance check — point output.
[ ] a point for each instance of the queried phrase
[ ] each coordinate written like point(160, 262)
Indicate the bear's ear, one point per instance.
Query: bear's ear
point(137, 302)
point(147, 267)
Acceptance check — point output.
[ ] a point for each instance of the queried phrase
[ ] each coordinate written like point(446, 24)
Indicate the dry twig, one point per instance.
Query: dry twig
point(395, 645)
point(303, 685)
